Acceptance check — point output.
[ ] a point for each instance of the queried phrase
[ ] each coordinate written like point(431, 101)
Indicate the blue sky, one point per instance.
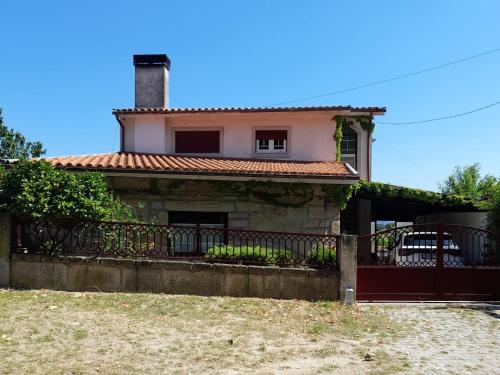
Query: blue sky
point(64, 65)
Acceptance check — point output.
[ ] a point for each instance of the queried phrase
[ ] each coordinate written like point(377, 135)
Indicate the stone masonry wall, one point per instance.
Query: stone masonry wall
point(33, 271)
point(153, 198)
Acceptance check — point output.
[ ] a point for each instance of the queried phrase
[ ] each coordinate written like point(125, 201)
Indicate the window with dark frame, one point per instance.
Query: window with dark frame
point(197, 141)
point(349, 148)
point(271, 141)
point(203, 231)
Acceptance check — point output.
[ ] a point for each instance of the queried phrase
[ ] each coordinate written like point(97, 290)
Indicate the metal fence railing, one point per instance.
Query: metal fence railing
point(135, 240)
point(424, 245)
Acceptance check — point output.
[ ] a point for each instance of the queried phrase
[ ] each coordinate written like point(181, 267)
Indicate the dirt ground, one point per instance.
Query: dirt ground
point(44, 332)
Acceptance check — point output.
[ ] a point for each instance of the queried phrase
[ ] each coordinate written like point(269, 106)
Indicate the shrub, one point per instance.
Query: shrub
point(325, 258)
point(248, 255)
point(36, 189)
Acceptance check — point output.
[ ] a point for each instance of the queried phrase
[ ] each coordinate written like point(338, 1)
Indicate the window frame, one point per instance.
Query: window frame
point(354, 155)
point(220, 129)
point(271, 153)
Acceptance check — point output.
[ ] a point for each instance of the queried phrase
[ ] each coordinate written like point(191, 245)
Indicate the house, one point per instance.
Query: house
point(270, 169)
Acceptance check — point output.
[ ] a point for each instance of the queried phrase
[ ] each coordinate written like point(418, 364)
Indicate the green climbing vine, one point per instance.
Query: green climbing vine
point(367, 124)
point(338, 135)
point(343, 122)
point(293, 195)
point(379, 189)
point(340, 194)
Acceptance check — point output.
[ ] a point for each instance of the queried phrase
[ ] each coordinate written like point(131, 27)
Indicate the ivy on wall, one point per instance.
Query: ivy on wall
point(343, 122)
point(297, 195)
point(338, 135)
point(393, 191)
point(293, 195)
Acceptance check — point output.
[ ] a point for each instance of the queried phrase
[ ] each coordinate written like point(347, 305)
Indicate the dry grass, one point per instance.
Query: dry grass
point(90, 333)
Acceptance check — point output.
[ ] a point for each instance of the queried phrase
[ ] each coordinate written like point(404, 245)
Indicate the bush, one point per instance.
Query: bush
point(324, 258)
point(36, 189)
point(248, 255)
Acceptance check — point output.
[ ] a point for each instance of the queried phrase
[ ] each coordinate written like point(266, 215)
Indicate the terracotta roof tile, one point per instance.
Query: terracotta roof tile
point(122, 111)
point(177, 164)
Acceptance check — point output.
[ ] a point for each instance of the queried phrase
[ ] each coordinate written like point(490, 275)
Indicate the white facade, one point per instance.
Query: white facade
point(310, 134)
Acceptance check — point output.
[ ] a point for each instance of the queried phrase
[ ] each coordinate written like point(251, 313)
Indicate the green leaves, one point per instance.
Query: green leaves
point(13, 145)
point(343, 122)
point(338, 135)
point(393, 191)
point(467, 182)
point(35, 189)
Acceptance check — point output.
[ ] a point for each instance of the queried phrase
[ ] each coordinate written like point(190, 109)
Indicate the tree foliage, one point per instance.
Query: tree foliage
point(36, 189)
point(494, 215)
point(484, 191)
point(467, 182)
point(13, 145)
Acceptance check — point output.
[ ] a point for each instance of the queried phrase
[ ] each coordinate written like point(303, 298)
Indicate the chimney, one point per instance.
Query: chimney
point(151, 81)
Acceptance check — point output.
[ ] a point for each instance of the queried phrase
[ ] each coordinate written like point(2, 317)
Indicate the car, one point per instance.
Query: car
point(419, 249)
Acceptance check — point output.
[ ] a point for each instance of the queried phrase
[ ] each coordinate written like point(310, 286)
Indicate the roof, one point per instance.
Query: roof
point(201, 165)
point(368, 110)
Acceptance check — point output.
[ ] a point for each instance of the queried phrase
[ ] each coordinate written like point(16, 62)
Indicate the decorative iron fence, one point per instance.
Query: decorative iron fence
point(133, 240)
point(428, 245)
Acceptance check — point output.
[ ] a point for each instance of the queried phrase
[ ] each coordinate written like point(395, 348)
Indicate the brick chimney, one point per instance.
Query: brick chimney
point(151, 81)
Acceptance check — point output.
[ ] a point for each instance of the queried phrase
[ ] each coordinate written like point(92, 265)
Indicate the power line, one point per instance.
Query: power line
point(392, 78)
point(422, 170)
point(440, 118)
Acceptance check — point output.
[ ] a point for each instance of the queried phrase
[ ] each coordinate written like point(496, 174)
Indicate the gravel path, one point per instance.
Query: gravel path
point(447, 338)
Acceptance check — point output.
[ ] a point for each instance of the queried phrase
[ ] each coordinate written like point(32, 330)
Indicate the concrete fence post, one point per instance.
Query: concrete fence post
point(5, 243)
point(348, 263)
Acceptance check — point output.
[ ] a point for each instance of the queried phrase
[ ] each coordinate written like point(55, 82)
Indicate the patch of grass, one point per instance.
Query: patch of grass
point(80, 334)
point(45, 338)
point(179, 334)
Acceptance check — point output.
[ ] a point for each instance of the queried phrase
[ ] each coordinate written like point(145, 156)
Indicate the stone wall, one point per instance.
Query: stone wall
point(31, 271)
point(155, 197)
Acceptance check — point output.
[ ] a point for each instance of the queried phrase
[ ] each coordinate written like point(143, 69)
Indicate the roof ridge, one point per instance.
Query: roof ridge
point(370, 109)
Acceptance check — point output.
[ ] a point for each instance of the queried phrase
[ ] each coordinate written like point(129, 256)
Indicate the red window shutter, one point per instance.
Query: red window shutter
point(197, 142)
point(279, 135)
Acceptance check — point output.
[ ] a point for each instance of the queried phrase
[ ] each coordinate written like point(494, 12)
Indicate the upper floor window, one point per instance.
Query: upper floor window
point(197, 141)
point(349, 148)
point(271, 141)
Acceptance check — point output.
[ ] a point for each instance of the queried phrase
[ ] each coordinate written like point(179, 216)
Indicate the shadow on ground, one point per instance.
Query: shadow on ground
point(491, 309)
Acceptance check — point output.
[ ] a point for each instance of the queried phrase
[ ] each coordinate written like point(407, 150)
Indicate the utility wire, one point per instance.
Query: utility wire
point(440, 118)
point(422, 170)
point(392, 78)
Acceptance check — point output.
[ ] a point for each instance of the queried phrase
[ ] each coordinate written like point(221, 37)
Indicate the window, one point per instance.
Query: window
point(271, 141)
point(349, 148)
point(197, 234)
point(197, 142)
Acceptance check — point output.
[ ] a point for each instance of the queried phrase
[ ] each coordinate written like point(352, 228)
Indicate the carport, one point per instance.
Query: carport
point(377, 202)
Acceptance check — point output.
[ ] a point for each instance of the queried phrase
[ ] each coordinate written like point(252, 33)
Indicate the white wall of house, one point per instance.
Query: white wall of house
point(310, 134)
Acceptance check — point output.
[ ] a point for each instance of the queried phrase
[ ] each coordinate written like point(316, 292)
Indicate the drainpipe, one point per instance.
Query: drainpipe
point(122, 133)
point(368, 144)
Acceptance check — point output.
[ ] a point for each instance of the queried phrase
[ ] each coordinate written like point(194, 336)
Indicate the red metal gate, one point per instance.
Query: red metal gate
point(429, 262)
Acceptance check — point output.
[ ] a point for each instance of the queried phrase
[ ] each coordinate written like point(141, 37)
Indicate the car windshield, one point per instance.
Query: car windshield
point(426, 240)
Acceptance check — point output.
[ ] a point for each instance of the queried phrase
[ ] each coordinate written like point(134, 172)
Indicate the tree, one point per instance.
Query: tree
point(36, 189)
point(467, 182)
point(13, 145)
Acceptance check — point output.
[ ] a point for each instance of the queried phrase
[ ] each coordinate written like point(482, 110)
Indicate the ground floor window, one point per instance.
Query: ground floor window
point(202, 230)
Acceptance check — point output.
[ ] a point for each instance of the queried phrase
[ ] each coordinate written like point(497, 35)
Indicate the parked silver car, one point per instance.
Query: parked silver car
point(419, 249)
